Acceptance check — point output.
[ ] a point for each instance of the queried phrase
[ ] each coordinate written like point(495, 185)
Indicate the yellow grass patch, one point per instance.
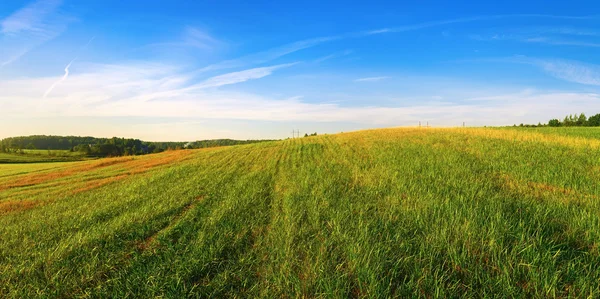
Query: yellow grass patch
point(17, 205)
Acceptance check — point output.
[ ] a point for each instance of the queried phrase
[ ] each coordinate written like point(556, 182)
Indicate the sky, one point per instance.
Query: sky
point(191, 70)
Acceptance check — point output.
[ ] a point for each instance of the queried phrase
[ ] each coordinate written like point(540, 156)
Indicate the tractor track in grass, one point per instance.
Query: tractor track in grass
point(149, 243)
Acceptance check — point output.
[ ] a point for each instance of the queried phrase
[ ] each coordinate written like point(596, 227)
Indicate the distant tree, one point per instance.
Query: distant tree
point(305, 134)
point(581, 120)
point(554, 123)
point(594, 121)
point(30, 146)
point(567, 121)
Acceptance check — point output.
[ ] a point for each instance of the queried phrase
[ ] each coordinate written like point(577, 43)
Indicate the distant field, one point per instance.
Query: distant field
point(591, 132)
point(38, 156)
point(62, 153)
point(378, 213)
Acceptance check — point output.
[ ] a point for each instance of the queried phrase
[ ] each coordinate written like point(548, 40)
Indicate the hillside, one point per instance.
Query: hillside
point(378, 213)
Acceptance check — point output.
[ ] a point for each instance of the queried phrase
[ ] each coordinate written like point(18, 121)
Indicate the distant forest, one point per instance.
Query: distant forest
point(572, 120)
point(105, 147)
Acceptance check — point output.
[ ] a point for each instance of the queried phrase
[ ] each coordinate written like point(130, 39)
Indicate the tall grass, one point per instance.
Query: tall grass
point(380, 213)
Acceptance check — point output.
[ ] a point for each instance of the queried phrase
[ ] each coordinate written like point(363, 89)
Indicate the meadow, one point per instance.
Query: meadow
point(405, 212)
point(39, 156)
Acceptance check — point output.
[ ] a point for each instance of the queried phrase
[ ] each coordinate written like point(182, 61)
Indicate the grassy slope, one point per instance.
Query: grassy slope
point(401, 212)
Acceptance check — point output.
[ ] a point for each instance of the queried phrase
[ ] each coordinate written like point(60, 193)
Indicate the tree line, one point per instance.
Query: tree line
point(106, 147)
point(571, 120)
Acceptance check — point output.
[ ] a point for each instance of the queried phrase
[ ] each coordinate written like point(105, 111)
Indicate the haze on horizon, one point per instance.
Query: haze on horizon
point(184, 70)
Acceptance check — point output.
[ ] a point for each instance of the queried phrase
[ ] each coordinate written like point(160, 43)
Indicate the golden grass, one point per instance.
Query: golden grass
point(17, 205)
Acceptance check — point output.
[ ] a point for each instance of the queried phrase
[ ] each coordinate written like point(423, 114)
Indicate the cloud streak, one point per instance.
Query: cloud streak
point(100, 92)
point(28, 28)
point(30, 18)
point(241, 76)
point(64, 77)
point(277, 52)
point(371, 79)
point(571, 71)
point(568, 70)
point(425, 25)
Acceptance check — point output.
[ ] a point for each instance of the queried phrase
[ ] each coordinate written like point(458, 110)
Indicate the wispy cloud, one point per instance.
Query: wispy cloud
point(192, 37)
point(332, 56)
point(549, 35)
point(535, 38)
point(371, 79)
point(241, 76)
point(430, 24)
point(30, 18)
point(269, 55)
point(568, 70)
point(97, 93)
point(571, 71)
point(560, 42)
point(64, 77)
point(109, 91)
point(198, 38)
point(28, 28)
point(277, 52)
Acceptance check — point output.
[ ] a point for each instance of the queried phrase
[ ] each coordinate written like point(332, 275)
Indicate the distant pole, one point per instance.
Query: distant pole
point(419, 124)
point(463, 124)
point(427, 124)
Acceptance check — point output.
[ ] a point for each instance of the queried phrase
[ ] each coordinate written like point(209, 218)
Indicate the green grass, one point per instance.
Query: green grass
point(584, 132)
point(39, 156)
point(381, 213)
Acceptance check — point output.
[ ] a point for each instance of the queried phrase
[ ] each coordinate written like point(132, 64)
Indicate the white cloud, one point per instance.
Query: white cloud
point(268, 55)
point(241, 76)
point(29, 18)
point(568, 70)
point(332, 56)
point(124, 91)
point(572, 71)
point(371, 79)
point(198, 38)
point(190, 37)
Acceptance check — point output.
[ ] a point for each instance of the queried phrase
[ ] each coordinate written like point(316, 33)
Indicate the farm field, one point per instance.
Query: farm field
point(400, 212)
point(39, 156)
point(584, 132)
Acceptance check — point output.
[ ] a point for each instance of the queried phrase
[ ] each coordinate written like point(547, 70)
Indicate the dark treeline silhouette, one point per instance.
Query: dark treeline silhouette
point(106, 147)
point(572, 120)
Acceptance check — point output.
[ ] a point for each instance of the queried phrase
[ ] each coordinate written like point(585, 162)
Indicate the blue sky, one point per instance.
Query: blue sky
point(188, 70)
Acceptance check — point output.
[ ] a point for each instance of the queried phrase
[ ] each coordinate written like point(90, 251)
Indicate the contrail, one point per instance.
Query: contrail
point(64, 77)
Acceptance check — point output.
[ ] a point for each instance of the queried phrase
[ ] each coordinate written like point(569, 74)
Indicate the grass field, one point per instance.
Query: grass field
point(379, 213)
point(583, 132)
point(39, 156)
